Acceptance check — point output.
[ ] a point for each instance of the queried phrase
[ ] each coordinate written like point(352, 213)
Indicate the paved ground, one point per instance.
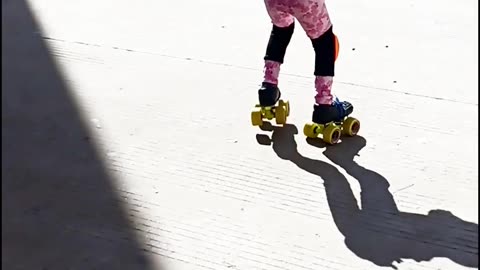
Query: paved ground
point(126, 139)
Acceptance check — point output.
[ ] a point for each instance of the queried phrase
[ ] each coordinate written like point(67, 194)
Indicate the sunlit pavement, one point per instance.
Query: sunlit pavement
point(164, 91)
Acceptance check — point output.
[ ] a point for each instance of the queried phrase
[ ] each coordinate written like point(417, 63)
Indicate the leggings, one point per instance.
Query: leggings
point(311, 14)
point(314, 19)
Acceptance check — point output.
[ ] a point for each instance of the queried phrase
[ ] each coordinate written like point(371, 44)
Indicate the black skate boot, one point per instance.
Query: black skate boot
point(336, 112)
point(268, 96)
point(331, 121)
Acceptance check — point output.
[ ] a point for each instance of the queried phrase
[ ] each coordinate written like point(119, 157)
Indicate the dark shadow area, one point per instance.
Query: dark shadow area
point(378, 231)
point(59, 205)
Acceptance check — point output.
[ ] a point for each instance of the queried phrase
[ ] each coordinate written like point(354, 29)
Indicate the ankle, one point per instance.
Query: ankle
point(271, 71)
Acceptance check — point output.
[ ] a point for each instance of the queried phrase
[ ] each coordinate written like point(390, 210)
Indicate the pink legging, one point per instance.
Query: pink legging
point(313, 17)
point(311, 14)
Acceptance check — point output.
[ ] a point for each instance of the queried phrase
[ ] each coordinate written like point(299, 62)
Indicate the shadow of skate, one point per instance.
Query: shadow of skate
point(266, 126)
point(379, 231)
point(264, 139)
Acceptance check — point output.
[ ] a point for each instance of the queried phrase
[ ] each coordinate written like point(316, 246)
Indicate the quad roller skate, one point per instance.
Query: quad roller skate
point(332, 121)
point(270, 106)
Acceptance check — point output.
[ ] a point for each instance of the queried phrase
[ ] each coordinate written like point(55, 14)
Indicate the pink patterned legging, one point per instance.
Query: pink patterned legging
point(311, 14)
point(313, 17)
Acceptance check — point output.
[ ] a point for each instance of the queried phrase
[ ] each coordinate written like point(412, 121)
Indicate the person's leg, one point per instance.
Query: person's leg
point(276, 49)
point(282, 31)
point(324, 47)
point(314, 18)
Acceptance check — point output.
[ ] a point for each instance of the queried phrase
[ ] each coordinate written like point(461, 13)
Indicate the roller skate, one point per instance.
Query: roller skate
point(270, 106)
point(332, 121)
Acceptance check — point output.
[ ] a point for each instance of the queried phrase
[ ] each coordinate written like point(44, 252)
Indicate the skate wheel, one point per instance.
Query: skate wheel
point(309, 130)
point(331, 134)
point(280, 115)
point(285, 105)
point(351, 126)
point(257, 119)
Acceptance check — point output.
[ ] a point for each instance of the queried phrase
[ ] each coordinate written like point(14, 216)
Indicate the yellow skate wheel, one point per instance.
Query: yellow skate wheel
point(310, 130)
point(351, 126)
point(280, 115)
point(331, 134)
point(285, 105)
point(257, 118)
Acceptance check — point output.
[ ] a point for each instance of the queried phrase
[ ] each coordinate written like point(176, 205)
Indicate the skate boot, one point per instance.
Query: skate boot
point(331, 121)
point(270, 106)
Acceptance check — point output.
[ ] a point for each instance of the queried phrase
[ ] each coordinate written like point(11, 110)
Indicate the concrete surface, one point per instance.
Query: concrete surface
point(127, 144)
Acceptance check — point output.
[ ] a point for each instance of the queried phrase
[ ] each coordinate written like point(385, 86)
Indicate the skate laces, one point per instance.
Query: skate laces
point(339, 106)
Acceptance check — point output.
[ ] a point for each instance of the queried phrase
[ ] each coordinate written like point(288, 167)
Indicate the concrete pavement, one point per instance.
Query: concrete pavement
point(127, 144)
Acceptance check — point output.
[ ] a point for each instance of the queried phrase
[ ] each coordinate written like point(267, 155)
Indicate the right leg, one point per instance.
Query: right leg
point(282, 31)
point(314, 18)
point(326, 108)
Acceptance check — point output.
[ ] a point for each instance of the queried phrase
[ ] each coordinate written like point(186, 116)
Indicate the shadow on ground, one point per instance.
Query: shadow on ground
point(378, 232)
point(59, 207)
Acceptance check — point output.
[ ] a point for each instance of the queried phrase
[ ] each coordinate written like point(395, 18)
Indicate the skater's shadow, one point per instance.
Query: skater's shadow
point(378, 231)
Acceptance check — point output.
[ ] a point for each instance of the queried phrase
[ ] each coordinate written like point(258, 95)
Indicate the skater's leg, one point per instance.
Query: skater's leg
point(326, 109)
point(280, 36)
point(324, 47)
point(276, 49)
point(314, 18)
point(323, 86)
point(282, 30)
